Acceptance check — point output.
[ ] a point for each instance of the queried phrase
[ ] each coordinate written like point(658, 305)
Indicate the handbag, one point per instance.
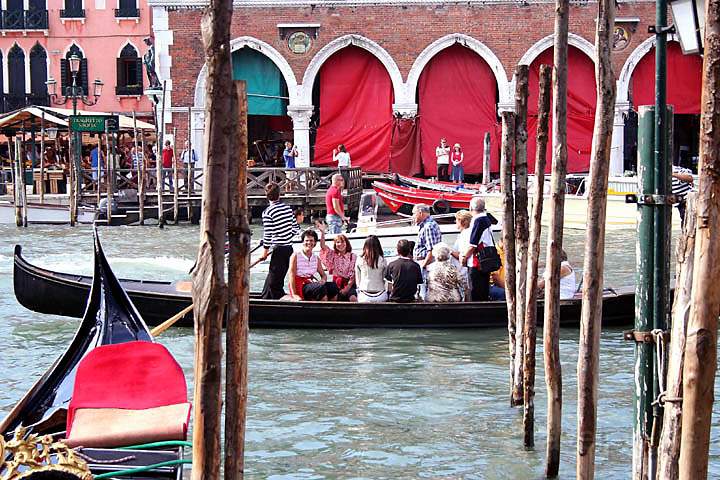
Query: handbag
point(488, 258)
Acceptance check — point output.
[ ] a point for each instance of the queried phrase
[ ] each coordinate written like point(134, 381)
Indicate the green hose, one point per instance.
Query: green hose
point(145, 468)
point(168, 443)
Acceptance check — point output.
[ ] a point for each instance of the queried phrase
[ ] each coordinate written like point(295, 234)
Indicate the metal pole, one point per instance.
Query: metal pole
point(42, 158)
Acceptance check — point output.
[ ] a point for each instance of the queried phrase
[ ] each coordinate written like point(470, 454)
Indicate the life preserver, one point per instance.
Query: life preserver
point(440, 206)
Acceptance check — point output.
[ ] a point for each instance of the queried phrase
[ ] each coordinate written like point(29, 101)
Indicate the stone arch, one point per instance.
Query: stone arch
point(305, 93)
point(504, 92)
point(123, 49)
point(73, 46)
point(543, 44)
point(266, 49)
point(625, 77)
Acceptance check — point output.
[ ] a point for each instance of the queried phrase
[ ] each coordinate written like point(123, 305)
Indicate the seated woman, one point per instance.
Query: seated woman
point(568, 285)
point(444, 282)
point(340, 263)
point(370, 272)
point(304, 265)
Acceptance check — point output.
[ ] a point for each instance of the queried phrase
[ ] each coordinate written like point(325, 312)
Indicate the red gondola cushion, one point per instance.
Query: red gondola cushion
point(129, 382)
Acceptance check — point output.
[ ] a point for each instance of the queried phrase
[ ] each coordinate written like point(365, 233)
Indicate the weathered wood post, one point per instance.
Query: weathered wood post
point(530, 333)
point(521, 224)
point(19, 184)
point(669, 449)
point(508, 232)
point(189, 174)
point(594, 262)
point(701, 341)
point(238, 296)
point(551, 328)
point(142, 173)
point(209, 290)
point(98, 182)
point(158, 159)
point(42, 158)
point(176, 198)
point(486, 159)
point(109, 171)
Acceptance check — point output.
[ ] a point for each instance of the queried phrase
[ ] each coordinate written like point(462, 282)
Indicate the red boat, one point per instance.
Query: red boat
point(396, 197)
point(432, 184)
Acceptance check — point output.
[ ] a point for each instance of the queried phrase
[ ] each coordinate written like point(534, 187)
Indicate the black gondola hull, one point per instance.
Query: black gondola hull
point(56, 293)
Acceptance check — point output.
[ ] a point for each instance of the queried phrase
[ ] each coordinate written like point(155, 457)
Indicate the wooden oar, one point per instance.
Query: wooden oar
point(170, 321)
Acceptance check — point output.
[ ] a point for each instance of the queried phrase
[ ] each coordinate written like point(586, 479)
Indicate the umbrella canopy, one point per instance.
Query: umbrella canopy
point(59, 118)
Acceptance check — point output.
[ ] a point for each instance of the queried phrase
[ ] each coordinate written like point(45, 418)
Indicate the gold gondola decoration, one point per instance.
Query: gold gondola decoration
point(36, 457)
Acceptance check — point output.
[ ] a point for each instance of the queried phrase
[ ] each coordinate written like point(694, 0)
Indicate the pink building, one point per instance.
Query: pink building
point(39, 36)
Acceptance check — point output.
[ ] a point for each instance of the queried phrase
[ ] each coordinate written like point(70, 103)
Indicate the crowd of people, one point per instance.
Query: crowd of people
point(426, 269)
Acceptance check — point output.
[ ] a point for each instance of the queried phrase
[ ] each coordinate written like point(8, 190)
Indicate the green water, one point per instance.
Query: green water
point(351, 403)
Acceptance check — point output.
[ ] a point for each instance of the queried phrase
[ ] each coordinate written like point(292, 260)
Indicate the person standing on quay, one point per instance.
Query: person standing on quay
point(335, 205)
point(279, 228)
point(442, 154)
point(456, 157)
point(167, 162)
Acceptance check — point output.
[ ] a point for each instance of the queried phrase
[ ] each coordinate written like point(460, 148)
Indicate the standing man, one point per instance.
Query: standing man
point(428, 235)
point(188, 158)
point(279, 228)
point(682, 183)
point(96, 161)
point(442, 154)
point(480, 236)
point(334, 205)
point(167, 162)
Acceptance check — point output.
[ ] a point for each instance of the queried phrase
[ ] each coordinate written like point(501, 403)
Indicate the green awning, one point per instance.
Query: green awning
point(267, 91)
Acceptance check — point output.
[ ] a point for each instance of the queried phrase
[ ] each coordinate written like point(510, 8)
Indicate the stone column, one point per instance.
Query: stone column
point(301, 115)
point(617, 155)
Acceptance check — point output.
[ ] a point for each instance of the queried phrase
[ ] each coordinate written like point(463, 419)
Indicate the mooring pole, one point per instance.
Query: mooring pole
point(42, 158)
point(141, 181)
point(108, 172)
point(175, 176)
point(486, 159)
point(189, 174)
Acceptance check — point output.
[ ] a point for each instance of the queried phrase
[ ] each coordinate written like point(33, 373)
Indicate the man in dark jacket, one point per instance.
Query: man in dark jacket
point(405, 274)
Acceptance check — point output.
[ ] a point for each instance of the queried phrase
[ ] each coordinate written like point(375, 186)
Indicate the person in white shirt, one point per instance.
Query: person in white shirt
point(442, 154)
point(341, 156)
point(568, 282)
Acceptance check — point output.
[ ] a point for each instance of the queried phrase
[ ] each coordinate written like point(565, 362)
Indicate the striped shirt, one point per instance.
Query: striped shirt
point(679, 187)
point(279, 225)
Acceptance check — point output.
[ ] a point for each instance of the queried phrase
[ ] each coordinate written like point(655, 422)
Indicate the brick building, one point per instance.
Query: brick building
point(445, 65)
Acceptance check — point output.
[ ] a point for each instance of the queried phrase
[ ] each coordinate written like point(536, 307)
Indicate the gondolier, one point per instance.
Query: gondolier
point(682, 183)
point(279, 228)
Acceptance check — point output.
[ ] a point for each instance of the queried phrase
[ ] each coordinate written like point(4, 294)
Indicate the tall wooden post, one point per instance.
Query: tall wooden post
point(42, 158)
point(486, 159)
point(521, 224)
point(72, 183)
point(158, 159)
point(669, 449)
point(551, 328)
point(530, 333)
point(176, 198)
point(190, 174)
point(141, 181)
point(209, 290)
point(18, 184)
point(594, 262)
point(140, 167)
point(508, 232)
point(701, 343)
point(109, 160)
point(238, 297)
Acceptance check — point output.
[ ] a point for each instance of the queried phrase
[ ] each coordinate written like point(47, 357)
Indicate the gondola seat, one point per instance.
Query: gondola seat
point(128, 394)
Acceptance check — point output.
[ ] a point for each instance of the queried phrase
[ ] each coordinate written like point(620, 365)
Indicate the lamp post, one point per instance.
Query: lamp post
point(689, 19)
point(74, 93)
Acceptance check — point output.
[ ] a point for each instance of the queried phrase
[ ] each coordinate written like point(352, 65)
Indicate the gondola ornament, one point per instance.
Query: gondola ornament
point(39, 457)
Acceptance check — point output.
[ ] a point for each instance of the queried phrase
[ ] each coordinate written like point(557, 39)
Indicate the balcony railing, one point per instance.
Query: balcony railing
point(16, 101)
point(127, 12)
point(72, 13)
point(25, 19)
point(128, 90)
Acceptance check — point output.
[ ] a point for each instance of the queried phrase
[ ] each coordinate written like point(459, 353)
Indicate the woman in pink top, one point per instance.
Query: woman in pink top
point(340, 263)
point(456, 159)
point(304, 265)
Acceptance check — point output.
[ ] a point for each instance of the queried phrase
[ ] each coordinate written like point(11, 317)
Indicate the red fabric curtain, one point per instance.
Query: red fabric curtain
point(581, 102)
point(457, 98)
point(684, 80)
point(405, 148)
point(356, 100)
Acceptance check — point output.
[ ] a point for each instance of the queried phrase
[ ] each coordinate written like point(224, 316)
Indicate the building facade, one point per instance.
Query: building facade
point(356, 72)
point(39, 36)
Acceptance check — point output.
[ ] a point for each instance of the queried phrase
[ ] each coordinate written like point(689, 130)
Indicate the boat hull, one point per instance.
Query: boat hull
point(44, 214)
point(56, 293)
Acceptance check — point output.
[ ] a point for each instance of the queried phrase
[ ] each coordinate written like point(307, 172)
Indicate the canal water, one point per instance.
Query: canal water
point(372, 404)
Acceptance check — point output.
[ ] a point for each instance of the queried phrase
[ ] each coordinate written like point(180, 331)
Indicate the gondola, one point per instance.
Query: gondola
point(51, 292)
point(110, 321)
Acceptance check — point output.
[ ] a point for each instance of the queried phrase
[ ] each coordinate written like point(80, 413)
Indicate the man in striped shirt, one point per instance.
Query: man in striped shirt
point(279, 228)
point(682, 183)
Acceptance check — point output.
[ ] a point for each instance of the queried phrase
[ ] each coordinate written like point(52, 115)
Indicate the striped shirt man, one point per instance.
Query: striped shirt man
point(279, 225)
point(680, 187)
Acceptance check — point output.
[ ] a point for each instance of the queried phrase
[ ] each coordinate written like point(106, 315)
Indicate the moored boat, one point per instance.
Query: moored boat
point(76, 401)
point(45, 214)
point(45, 291)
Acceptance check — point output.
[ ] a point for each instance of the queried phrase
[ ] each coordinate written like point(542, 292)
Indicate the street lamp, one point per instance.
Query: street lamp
point(689, 19)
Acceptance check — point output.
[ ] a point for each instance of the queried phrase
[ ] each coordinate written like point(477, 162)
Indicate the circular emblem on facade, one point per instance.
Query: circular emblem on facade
point(299, 42)
point(621, 38)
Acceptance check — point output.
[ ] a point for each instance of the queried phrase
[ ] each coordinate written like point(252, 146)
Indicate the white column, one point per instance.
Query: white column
point(617, 157)
point(301, 115)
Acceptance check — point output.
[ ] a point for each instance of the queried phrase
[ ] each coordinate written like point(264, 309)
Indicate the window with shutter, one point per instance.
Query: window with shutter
point(129, 72)
point(16, 79)
point(66, 74)
point(38, 75)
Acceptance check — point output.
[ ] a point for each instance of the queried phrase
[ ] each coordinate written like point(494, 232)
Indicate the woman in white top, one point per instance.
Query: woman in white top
point(568, 285)
point(370, 272)
point(442, 155)
point(463, 218)
point(341, 156)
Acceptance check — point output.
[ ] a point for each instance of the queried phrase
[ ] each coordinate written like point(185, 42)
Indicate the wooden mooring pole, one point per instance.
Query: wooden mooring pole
point(238, 296)
point(209, 290)
point(508, 232)
point(108, 173)
point(160, 146)
point(521, 226)
point(42, 159)
point(530, 325)
point(669, 449)
point(19, 184)
point(190, 173)
point(594, 261)
point(72, 183)
point(551, 328)
point(142, 179)
point(486, 159)
point(175, 176)
point(701, 342)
